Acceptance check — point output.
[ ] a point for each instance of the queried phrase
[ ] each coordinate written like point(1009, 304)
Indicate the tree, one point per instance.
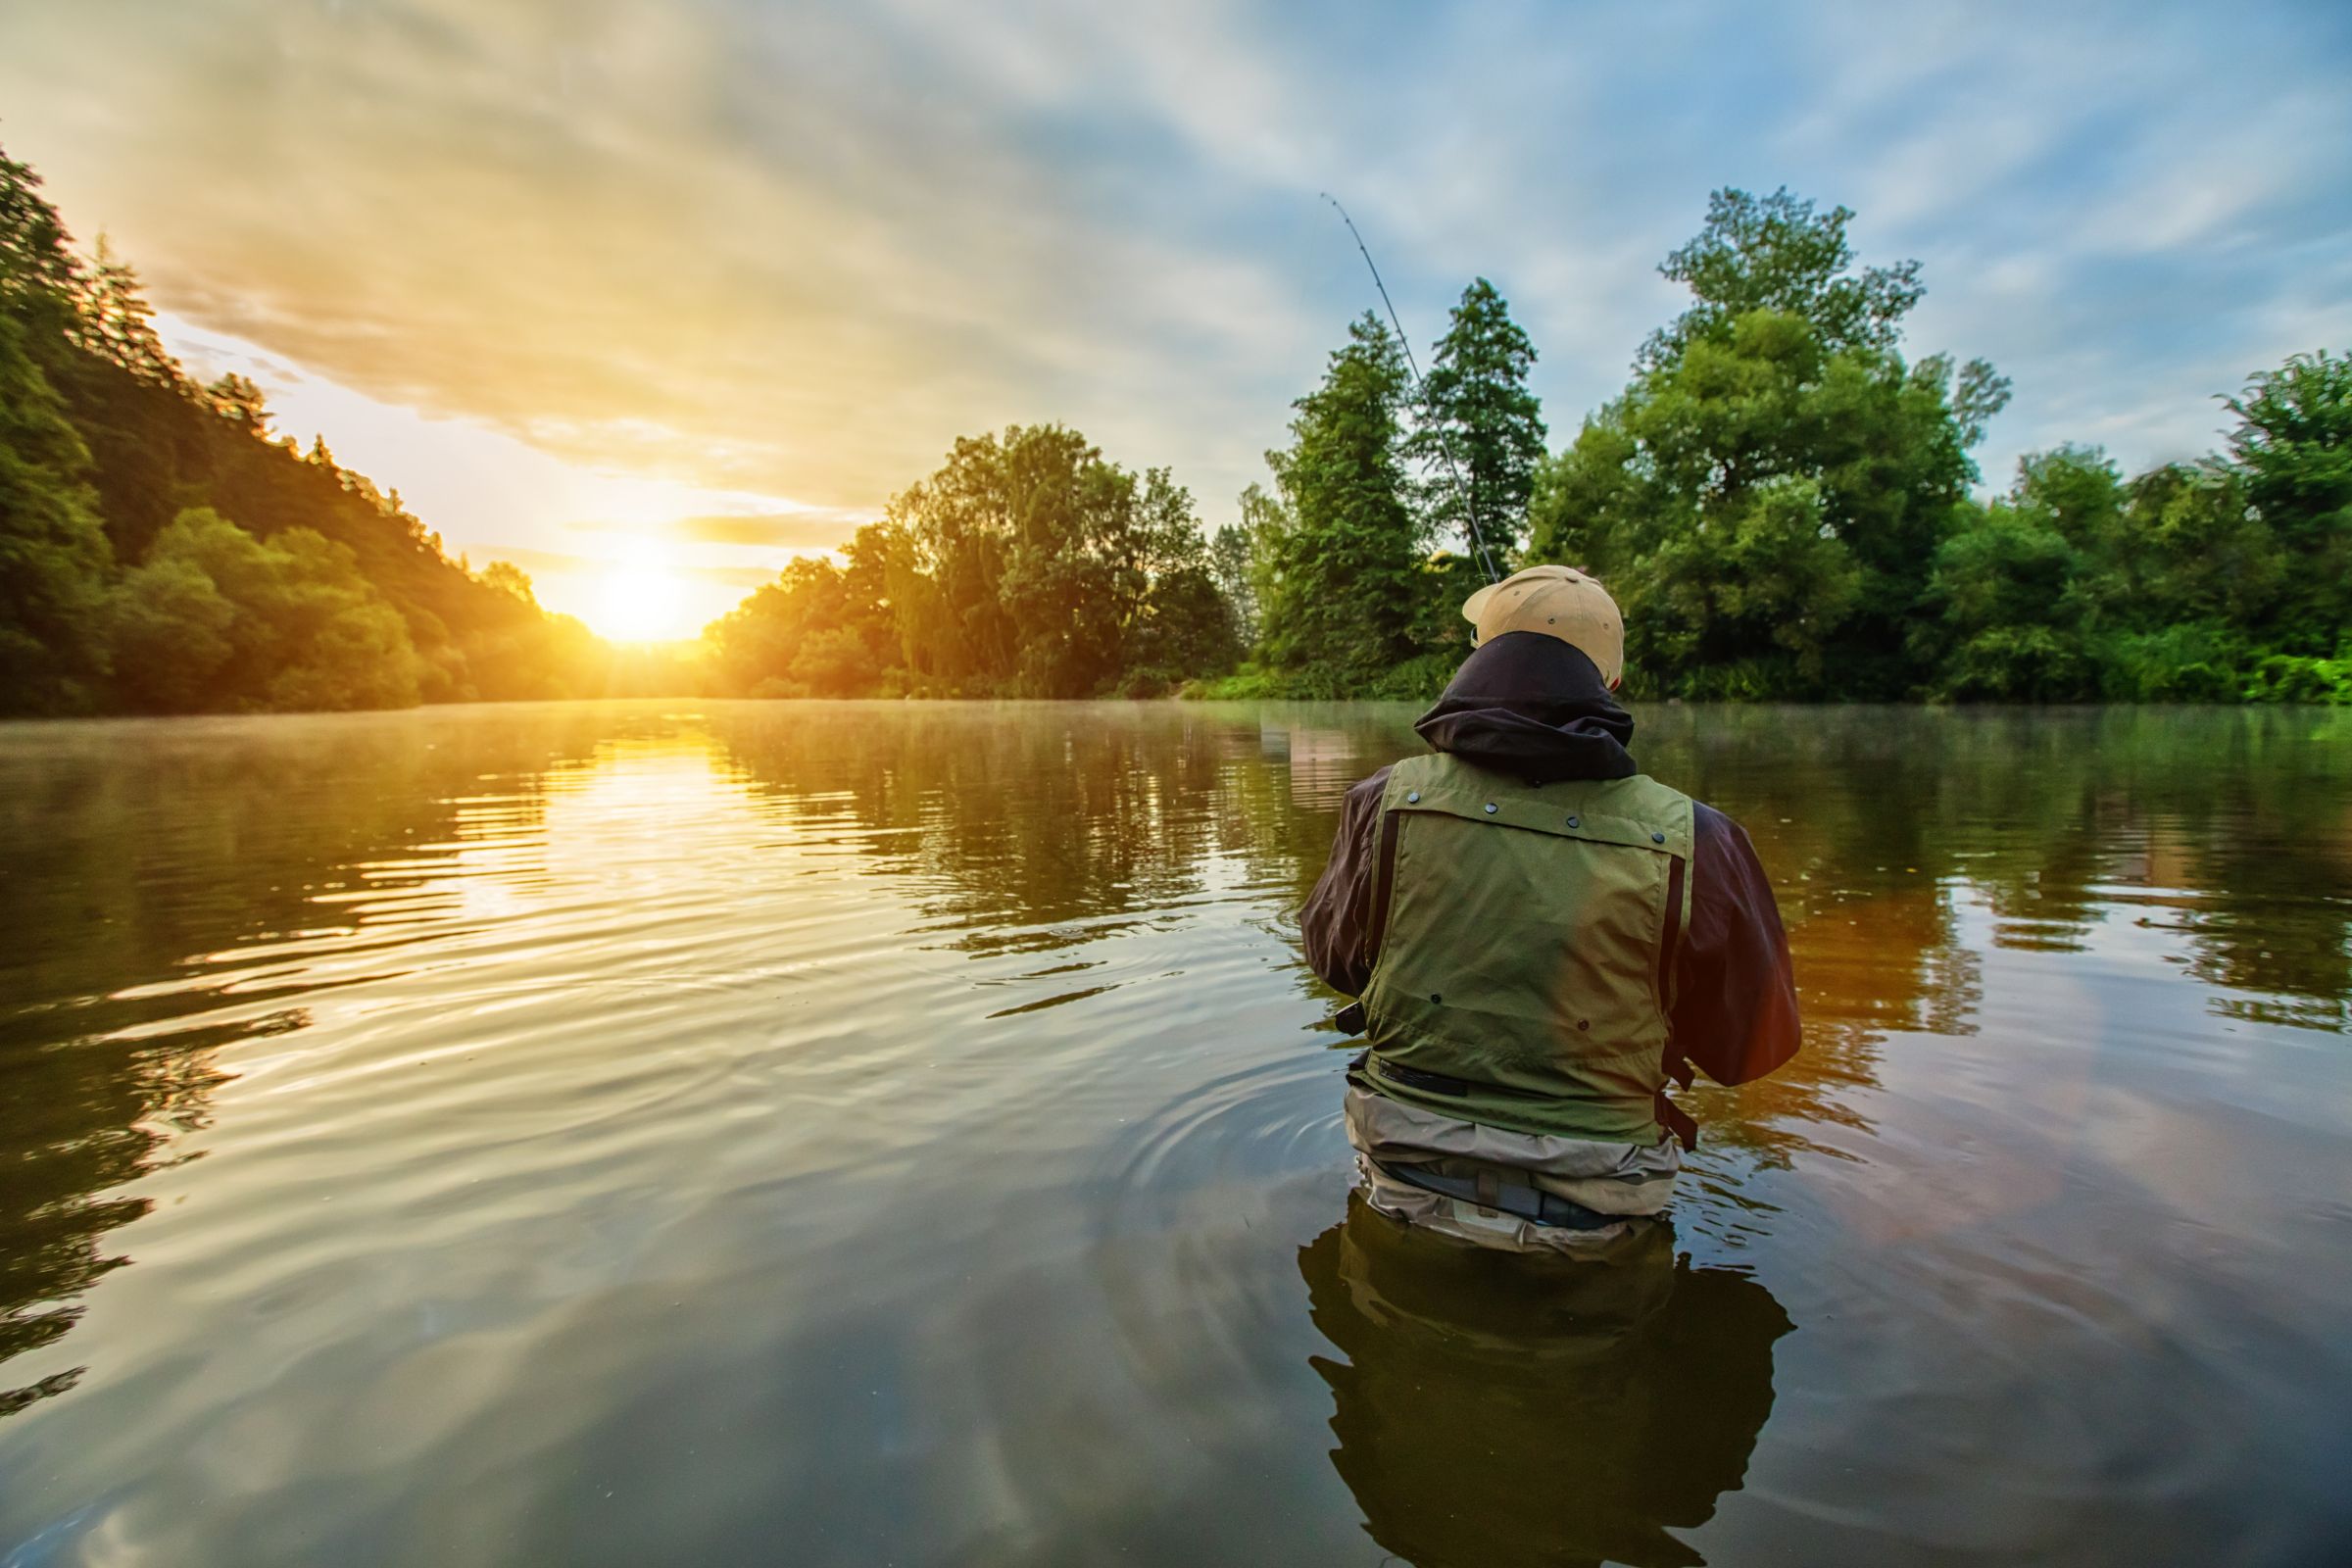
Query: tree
point(2293, 443)
point(1477, 419)
point(1342, 574)
point(145, 445)
point(170, 632)
point(37, 264)
point(807, 634)
point(236, 398)
point(1768, 496)
point(1232, 562)
point(511, 580)
point(118, 324)
point(53, 558)
point(214, 620)
point(2189, 545)
point(1780, 254)
point(1029, 564)
point(2008, 616)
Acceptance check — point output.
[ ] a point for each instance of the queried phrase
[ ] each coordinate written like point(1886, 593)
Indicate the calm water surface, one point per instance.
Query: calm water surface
point(900, 1134)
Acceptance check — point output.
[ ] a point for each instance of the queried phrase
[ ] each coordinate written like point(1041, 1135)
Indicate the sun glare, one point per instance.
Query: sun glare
point(640, 599)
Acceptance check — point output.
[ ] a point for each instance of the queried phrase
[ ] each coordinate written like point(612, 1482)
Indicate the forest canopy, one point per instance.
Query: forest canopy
point(159, 552)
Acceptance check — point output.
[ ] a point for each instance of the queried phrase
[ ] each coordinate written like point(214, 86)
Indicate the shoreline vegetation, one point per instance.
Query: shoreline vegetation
point(1781, 500)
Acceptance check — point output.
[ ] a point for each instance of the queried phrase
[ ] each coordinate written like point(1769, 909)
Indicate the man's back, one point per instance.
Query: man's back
point(1587, 963)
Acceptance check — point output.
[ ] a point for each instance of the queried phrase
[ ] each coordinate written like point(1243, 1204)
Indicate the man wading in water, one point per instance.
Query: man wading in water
point(1540, 937)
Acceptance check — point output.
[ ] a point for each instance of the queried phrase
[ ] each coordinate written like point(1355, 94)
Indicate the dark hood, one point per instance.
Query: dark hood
point(1534, 706)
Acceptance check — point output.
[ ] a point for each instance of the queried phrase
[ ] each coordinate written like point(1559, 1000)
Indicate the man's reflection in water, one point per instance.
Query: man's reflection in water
point(1502, 1409)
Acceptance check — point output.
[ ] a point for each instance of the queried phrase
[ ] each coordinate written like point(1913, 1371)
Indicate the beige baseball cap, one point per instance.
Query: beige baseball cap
point(1559, 602)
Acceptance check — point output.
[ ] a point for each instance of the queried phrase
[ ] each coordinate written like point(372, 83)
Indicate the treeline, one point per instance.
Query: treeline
point(1780, 502)
point(1781, 499)
point(1028, 565)
point(161, 553)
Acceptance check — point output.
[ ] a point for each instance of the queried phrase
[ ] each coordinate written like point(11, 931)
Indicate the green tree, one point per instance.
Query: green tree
point(2190, 546)
point(214, 620)
point(2005, 600)
point(37, 264)
point(1768, 496)
point(118, 324)
point(2294, 444)
point(807, 634)
point(237, 399)
point(1342, 579)
point(1232, 562)
point(53, 558)
point(1029, 564)
point(1477, 419)
point(153, 444)
point(1778, 253)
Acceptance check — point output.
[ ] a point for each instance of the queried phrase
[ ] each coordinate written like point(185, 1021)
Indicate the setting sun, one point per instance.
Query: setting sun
point(640, 598)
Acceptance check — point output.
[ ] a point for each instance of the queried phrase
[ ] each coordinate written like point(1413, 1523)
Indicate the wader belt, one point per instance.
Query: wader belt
point(1489, 1190)
point(1671, 1116)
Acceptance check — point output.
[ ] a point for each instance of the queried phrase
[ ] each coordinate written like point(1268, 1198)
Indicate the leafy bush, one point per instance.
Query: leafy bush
point(2195, 662)
point(214, 620)
point(2291, 678)
point(1249, 684)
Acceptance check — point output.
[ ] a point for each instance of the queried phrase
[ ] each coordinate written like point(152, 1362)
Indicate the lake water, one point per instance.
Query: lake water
point(865, 1134)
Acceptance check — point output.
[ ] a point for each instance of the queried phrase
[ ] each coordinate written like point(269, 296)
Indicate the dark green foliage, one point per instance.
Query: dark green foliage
point(215, 620)
point(817, 630)
point(1479, 426)
point(1342, 581)
point(1027, 565)
point(144, 516)
point(2004, 618)
point(2294, 444)
point(1187, 631)
point(1780, 502)
point(1766, 509)
point(2171, 587)
point(1230, 564)
point(53, 552)
point(1778, 254)
point(1767, 498)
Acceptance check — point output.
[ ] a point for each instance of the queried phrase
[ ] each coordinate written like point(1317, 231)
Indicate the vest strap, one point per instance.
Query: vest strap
point(1676, 1120)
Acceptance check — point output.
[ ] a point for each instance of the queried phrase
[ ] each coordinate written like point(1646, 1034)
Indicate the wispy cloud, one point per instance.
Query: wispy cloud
point(790, 252)
point(817, 528)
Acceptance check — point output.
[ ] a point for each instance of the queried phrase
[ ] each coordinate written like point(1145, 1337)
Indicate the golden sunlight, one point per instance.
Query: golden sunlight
point(640, 598)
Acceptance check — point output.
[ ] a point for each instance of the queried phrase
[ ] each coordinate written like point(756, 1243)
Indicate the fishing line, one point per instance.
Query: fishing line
point(1464, 493)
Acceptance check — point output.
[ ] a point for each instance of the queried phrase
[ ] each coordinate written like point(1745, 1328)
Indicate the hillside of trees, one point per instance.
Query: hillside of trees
point(161, 554)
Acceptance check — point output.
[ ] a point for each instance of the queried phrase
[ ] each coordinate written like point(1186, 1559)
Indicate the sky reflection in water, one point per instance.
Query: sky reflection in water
point(858, 1133)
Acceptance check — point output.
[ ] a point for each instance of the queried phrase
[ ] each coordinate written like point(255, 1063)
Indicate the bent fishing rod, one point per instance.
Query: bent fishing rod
point(1467, 494)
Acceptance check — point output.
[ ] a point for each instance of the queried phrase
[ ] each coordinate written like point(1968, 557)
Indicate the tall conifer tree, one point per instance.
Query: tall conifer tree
point(1344, 580)
point(1479, 430)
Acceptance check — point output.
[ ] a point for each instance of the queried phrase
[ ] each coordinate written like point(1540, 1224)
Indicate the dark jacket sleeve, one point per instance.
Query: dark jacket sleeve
point(1735, 997)
point(1337, 921)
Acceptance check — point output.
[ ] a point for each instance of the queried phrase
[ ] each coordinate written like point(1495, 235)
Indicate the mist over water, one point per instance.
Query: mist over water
point(862, 1133)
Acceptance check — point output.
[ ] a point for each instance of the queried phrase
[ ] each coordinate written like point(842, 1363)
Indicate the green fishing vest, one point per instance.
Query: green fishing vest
point(1521, 978)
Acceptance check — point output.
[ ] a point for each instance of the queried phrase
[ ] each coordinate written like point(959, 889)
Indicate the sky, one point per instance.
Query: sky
point(648, 296)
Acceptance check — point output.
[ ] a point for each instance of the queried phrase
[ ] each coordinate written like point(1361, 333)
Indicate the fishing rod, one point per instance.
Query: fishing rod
point(1465, 493)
